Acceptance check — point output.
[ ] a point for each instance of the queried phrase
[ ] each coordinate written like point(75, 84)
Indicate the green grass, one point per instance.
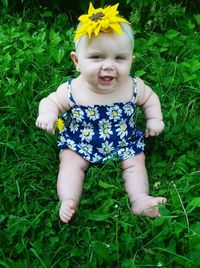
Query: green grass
point(34, 61)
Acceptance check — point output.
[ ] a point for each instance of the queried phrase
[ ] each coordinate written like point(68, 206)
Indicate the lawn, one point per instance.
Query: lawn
point(35, 59)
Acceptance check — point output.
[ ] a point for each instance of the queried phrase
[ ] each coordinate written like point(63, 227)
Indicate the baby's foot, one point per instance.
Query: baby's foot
point(67, 210)
point(146, 206)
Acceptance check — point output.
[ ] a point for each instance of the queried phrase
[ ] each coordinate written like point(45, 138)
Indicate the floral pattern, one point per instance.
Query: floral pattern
point(100, 132)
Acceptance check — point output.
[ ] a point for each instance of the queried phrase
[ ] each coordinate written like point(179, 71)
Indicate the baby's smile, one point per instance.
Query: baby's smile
point(106, 80)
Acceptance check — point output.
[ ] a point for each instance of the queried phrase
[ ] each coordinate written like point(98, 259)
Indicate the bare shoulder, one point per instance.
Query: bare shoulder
point(143, 92)
point(62, 88)
point(60, 97)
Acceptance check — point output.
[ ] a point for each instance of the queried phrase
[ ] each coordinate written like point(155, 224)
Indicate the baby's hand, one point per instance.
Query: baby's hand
point(46, 121)
point(154, 127)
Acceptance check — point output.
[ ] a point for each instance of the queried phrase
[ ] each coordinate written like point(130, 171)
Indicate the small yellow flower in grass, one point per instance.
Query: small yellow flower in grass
point(60, 124)
point(157, 185)
point(100, 20)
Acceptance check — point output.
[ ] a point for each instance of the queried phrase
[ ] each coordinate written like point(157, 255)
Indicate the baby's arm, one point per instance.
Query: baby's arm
point(50, 108)
point(150, 104)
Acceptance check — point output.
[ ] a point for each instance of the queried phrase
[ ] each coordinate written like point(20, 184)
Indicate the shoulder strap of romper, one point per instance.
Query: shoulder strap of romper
point(135, 89)
point(69, 93)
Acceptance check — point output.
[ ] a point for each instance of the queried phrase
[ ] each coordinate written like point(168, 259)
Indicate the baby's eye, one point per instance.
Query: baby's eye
point(120, 58)
point(97, 57)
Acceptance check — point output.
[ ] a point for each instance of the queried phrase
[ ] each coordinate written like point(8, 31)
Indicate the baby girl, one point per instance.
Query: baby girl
point(95, 112)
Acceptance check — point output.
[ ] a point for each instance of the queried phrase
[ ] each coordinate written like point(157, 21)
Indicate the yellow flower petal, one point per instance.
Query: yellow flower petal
point(116, 27)
point(60, 124)
point(96, 31)
point(91, 9)
point(100, 20)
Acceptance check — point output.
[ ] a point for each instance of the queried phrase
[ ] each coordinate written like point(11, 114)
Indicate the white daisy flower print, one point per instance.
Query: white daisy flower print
point(65, 116)
point(140, 145)
point(92, 113)
point(122, 143)
point(105, 129)
point(77, 114)
point(122, 129)
point(73, 127)
point(71, 144)
point(132, 122)
point(96, 158)
point(114, 112)
point(85, 148)
point(104, 124)
point(106, 148)
point(62, 139)
point(87, 132)
point(128, 109)
point(126, 152)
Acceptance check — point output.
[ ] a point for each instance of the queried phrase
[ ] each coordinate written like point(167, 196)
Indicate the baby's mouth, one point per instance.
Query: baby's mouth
point(106, 78)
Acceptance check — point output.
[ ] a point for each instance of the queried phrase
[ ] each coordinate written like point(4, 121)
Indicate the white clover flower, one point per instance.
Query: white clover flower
point(107, 245)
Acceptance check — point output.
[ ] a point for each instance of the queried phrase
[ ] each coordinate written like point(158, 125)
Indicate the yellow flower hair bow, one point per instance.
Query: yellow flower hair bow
point(99, 20)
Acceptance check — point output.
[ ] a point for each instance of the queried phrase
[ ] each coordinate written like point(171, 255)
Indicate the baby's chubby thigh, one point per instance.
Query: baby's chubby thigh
point(72, 160)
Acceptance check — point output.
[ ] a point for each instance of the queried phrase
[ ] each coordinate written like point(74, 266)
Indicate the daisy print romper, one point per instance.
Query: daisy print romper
point(101, 132)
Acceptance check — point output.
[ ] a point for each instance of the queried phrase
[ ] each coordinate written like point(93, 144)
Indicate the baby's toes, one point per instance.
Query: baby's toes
point(64, 218)
point(160, 200)
point(67, 211)
point(151, 212)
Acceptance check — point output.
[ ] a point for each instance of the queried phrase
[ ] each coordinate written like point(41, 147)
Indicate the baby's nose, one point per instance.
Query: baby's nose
point(108, 65)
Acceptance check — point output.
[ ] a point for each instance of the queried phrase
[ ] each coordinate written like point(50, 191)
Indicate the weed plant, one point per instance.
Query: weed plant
point(34, 61)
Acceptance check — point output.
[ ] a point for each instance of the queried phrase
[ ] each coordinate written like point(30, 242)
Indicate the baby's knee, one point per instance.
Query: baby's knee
point(134, 161)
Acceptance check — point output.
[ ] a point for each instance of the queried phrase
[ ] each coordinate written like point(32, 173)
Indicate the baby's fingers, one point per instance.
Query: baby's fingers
point(152, 133)
point(46, 126)
point(50, 128)
point(149, 132)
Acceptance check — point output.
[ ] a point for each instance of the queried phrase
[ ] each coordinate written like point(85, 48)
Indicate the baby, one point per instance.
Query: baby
point(98, 113)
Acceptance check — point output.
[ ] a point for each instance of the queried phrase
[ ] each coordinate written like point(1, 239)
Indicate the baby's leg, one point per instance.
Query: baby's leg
point(137, 187)
point(70, 181)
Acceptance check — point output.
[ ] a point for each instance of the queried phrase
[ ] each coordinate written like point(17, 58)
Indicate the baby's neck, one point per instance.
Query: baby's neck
point(85, 94)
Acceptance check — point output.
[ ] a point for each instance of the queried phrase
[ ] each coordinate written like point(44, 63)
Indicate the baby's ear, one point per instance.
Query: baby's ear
point(74, 57)
point(133, 57)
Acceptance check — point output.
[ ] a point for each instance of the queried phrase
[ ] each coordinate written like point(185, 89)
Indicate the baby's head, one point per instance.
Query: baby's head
point(102, 21)
point(104, 46)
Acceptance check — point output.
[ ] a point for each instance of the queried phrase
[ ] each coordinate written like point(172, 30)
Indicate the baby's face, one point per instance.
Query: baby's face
point(105, 61)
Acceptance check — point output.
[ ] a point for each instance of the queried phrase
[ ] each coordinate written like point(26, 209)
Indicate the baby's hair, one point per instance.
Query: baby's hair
point(126, 28)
